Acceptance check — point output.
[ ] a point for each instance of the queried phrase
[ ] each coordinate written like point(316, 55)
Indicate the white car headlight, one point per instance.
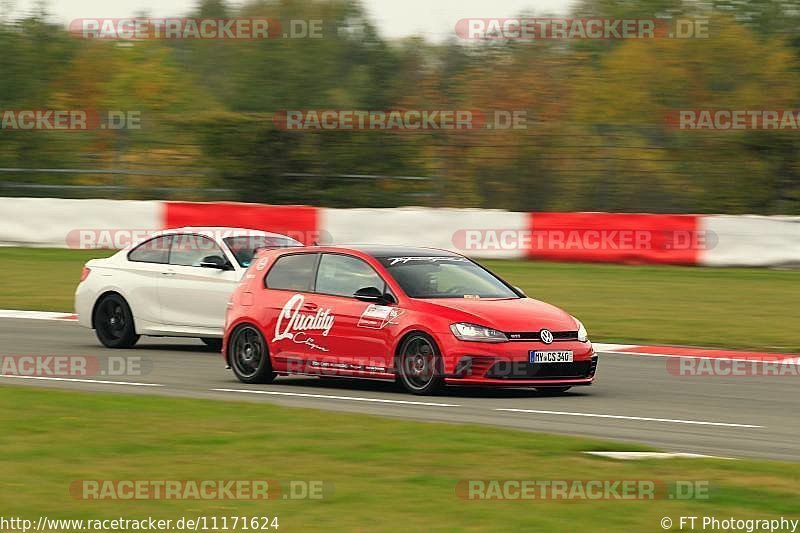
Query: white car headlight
point(472, 332)
point(582, 335)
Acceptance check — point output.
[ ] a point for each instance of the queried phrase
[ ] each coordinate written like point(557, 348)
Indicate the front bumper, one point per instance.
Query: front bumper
point(507, 364)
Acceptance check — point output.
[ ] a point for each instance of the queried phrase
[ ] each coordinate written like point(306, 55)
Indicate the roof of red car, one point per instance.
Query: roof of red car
point(377, 250)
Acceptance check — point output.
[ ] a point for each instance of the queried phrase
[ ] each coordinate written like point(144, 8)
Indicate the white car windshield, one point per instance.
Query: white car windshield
point(245, 247)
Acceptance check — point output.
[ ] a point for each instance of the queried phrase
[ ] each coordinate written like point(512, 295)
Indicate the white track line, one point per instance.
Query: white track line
point(638, 418)
point(37, 315)
point(787, 361)
point(328, 397)
point(603, 347)
point(633, 456)
point(76, 380)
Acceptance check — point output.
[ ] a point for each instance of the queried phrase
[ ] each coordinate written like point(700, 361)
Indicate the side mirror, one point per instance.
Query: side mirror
point(519, 290)
point(214, 261)
point(371, 294)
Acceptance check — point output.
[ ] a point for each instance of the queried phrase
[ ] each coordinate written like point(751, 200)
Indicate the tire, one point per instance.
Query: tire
point(248, 355)
point(214, 344)
point(552, 391)
point(419, 365)
point(113, 322)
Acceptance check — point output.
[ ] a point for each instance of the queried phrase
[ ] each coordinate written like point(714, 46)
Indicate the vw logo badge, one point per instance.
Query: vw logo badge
point(546, 336)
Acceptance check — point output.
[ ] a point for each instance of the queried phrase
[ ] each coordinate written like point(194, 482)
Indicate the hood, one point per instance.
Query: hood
point(509, 315)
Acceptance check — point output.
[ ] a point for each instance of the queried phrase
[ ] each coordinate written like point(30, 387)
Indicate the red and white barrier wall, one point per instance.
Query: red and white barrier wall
point(712, 240)
point(437, 228)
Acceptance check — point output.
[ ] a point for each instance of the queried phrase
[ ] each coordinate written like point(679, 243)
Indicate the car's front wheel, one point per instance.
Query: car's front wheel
point(419, 365)
point(248, 355)
point(113, 322)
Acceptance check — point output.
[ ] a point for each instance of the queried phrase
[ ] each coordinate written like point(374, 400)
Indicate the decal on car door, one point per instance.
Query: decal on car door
point(294, 324)
point(336, 365)
point(379, 316)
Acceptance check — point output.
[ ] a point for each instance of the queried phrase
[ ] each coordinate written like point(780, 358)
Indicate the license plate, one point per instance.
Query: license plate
point(563, 356)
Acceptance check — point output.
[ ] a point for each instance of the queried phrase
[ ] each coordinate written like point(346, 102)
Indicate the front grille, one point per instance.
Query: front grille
point(534, 336)
point(524, 370)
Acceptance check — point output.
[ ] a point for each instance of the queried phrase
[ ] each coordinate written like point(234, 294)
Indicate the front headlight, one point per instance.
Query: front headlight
point(582, 335)
point(472, 332)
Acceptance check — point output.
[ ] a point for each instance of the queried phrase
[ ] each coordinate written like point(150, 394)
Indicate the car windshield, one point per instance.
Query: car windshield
point(245, 247)
point(445, 277)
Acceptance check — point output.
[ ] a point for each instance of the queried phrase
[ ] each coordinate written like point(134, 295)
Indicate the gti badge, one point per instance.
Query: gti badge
point(546, 336)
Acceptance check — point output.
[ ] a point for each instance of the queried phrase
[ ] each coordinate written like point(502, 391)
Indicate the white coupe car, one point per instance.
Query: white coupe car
point(176, 283)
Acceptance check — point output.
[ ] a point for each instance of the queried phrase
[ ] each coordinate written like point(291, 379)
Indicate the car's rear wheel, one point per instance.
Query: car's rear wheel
point(214, 344)
point(113, 322)
point(419, 365)
point(248, 355)
point(552, 391)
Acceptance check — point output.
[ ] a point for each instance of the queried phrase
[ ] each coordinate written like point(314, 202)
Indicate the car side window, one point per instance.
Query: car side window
point(155, 250)
point(190, 249)
point(343, 275)
point(293, 272)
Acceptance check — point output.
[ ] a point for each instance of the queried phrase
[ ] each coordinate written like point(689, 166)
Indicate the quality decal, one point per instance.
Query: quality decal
point(294, 324)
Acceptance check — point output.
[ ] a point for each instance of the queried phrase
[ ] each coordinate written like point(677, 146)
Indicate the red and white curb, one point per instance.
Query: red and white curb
point(697, 353)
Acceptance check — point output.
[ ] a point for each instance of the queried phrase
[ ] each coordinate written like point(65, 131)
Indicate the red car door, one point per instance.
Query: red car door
point(359, 342)
point(293, 323)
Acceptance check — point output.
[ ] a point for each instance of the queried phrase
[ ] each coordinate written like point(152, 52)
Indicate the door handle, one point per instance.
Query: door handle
point(310, 306)
point(168, 273)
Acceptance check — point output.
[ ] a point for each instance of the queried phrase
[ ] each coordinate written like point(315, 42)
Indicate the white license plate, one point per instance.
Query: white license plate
point(563, 356)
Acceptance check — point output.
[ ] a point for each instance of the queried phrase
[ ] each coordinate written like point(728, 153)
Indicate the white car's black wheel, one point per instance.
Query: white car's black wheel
point(113, 322)
point(248, 355)
point(419, 365)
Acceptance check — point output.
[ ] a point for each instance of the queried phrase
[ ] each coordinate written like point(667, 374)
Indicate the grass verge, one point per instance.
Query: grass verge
point(385, 474)
point(695, 306)
point(736, 308)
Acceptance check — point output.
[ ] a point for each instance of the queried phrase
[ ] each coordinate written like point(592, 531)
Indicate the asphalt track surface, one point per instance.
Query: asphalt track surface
point(635, 397)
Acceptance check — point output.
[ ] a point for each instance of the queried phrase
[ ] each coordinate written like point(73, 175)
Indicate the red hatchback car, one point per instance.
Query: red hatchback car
point(423, 316)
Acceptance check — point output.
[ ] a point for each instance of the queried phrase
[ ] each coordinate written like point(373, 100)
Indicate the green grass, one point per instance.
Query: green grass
point(42, 279)
point(728, 307)
point(384, 474)
point(737, 308)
